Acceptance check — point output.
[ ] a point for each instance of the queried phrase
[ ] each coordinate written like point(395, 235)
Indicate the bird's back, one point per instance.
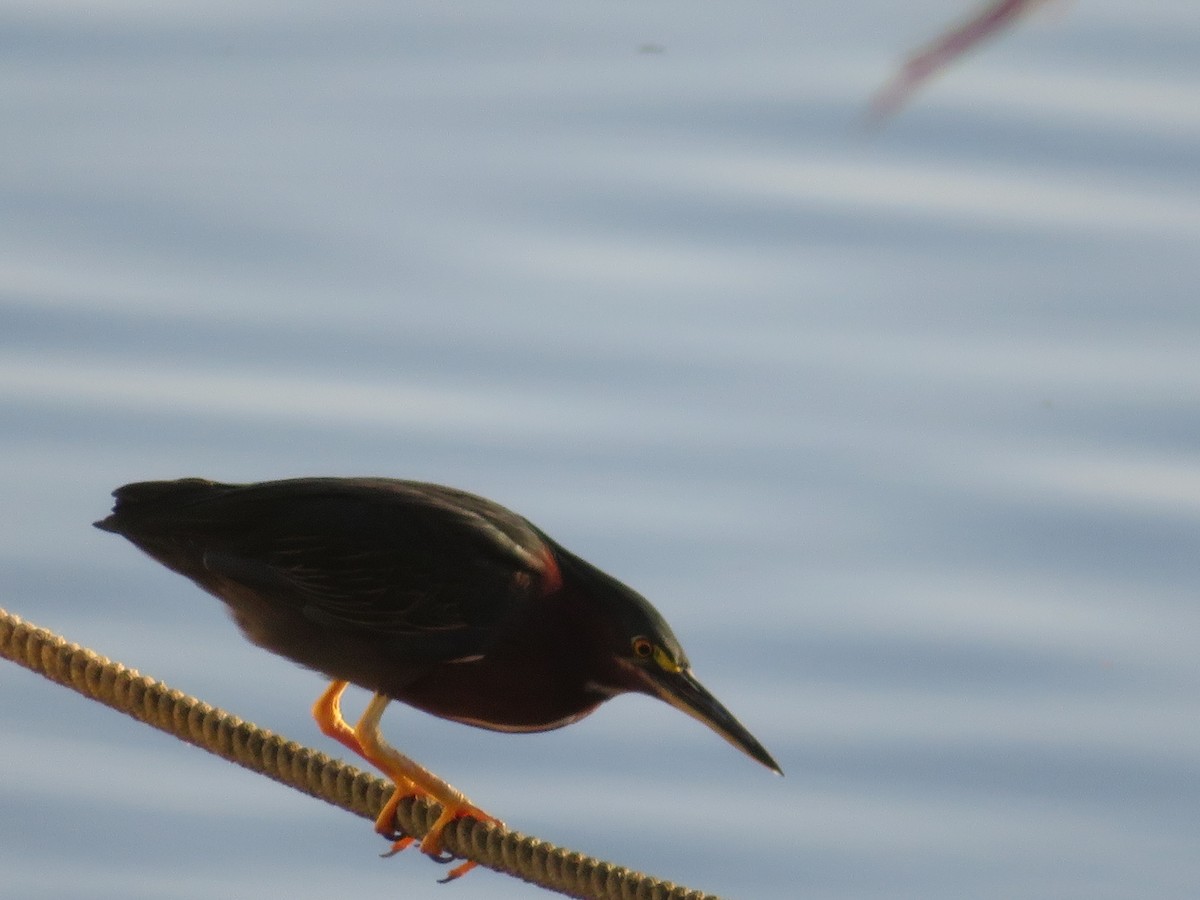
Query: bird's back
point(323, 569)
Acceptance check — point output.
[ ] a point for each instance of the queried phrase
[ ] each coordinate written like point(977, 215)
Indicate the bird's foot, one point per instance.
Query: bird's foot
point(458, 807)
point(385, 823)
point(431, 844)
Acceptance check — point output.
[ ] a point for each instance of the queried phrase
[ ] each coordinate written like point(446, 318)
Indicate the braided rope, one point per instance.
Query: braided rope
point(565, 871)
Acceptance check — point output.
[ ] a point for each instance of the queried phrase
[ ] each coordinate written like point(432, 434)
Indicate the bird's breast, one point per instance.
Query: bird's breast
point(501, 693)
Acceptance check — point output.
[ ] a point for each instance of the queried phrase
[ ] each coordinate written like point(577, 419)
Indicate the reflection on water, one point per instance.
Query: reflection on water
point(899, 433)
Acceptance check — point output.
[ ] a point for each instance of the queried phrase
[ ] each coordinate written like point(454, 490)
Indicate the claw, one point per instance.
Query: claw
point(397, 846)
point(385, 822)
point(458, 872)
point(431, 844)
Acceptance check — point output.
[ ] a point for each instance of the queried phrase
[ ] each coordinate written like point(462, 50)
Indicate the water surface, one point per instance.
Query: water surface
point(900, 432)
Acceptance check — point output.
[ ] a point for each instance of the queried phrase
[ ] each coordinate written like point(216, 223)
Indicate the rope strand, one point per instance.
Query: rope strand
point(125, 690)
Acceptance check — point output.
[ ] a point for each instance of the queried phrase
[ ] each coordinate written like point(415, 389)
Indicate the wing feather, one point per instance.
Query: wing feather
point(395, 559)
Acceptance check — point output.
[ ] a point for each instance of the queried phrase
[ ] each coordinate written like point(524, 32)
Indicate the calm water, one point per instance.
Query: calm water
point(902, 433)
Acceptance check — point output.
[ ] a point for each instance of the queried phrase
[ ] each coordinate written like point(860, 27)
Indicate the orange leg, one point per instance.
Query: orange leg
point(410, 778)
point(327, 712)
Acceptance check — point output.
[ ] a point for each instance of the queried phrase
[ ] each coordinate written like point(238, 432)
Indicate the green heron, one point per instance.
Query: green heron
point(420, 593)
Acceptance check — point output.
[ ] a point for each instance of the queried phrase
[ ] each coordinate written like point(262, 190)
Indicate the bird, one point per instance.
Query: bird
point(424, 594)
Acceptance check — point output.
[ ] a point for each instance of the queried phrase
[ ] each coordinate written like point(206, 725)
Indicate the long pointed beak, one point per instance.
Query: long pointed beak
point(684, 692)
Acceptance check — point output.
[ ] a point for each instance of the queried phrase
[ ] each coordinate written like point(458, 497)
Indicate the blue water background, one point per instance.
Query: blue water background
point(901, 431)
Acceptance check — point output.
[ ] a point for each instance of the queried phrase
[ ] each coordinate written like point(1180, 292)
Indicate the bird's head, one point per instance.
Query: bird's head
point(642, 654)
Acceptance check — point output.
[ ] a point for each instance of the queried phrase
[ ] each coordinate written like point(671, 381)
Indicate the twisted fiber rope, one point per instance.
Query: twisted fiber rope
point(565, 871)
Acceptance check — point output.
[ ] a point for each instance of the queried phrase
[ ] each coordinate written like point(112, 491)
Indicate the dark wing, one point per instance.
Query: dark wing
point(429, 569)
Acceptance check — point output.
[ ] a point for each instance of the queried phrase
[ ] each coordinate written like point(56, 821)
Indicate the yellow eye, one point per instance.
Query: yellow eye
point(642, 647)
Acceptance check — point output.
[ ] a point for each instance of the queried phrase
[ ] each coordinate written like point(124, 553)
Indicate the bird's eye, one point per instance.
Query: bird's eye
point(642, 647)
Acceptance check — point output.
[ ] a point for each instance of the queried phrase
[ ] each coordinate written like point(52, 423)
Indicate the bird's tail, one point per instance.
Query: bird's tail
point(144, 499)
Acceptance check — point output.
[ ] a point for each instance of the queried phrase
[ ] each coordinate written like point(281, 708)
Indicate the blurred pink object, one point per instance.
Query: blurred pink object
point(989, 21)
